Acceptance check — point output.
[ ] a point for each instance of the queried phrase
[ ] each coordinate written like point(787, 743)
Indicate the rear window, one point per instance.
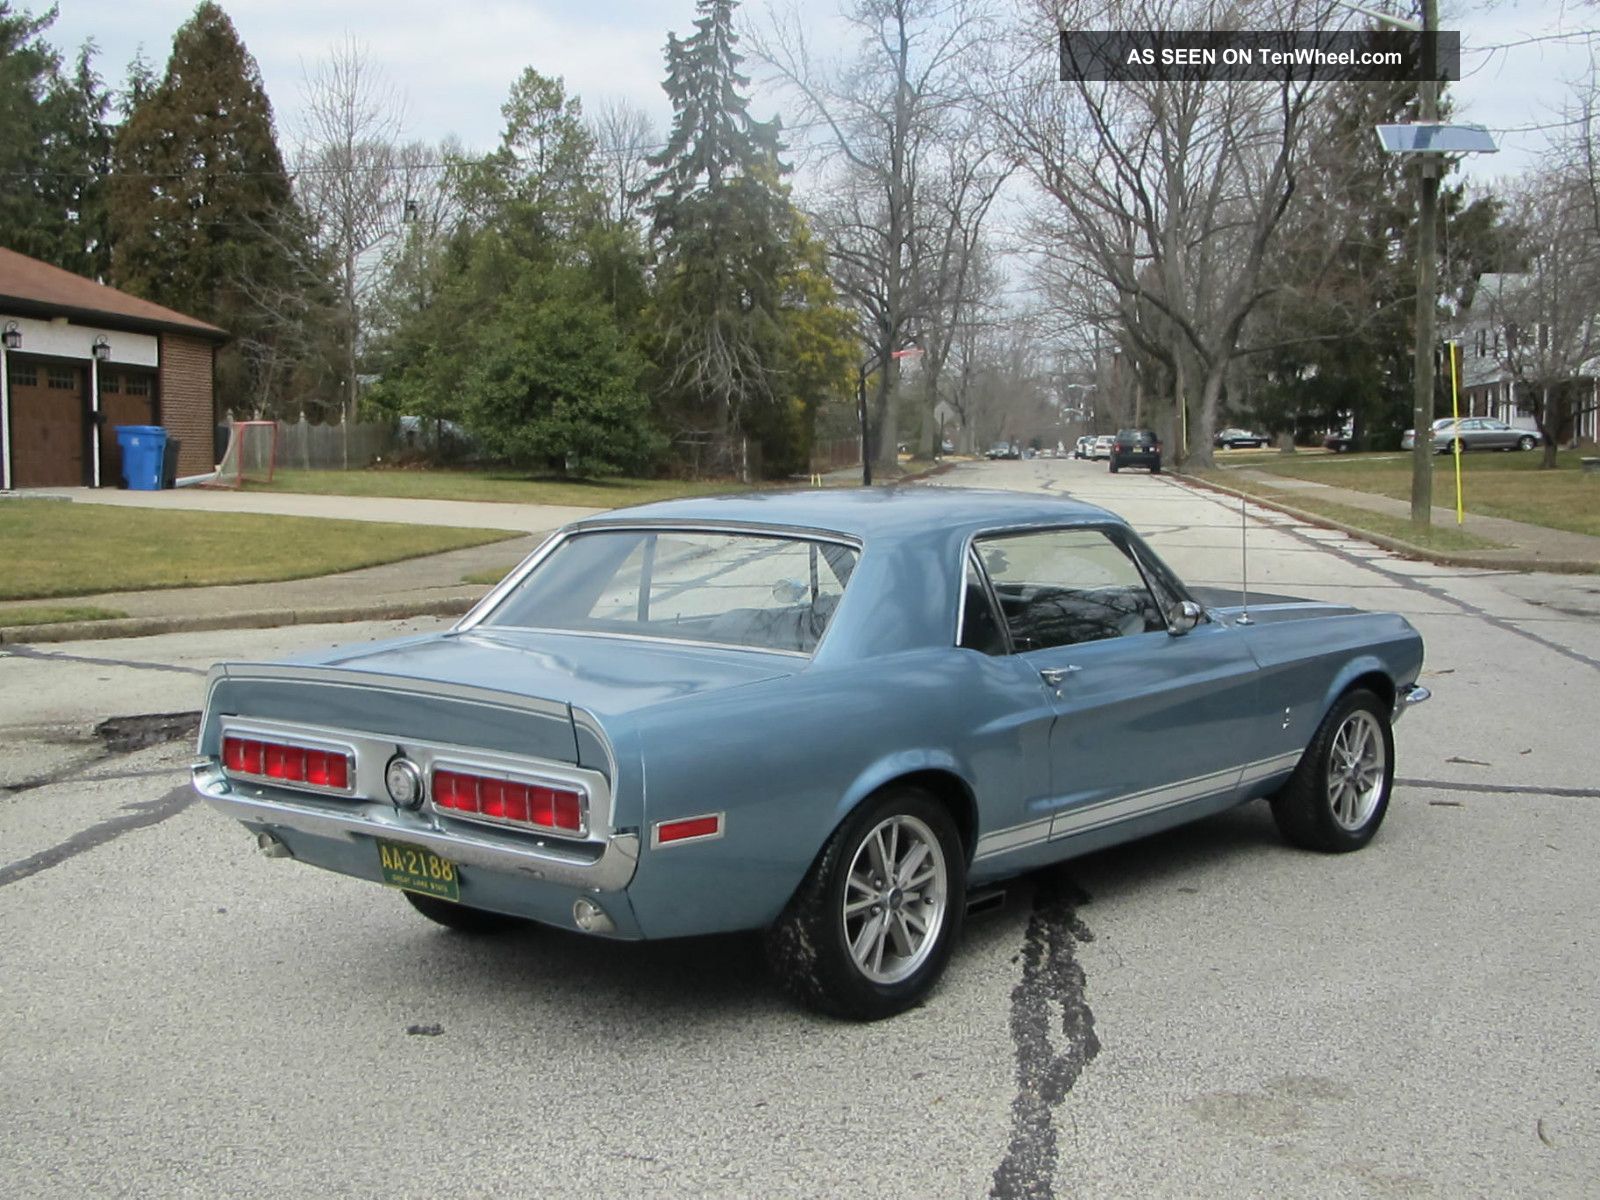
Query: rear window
point(1139, 437)
point(756, 591)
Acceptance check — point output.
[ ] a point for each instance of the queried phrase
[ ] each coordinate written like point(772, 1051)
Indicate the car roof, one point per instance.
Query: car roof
point(866, 512)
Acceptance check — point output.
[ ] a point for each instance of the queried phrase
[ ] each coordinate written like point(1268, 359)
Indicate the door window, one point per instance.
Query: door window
point(1061, 587)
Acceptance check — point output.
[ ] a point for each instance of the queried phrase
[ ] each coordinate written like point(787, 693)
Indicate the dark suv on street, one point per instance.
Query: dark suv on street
point(1136, 448)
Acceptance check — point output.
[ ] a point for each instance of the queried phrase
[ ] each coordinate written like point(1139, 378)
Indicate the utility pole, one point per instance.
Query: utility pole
point(1427, 279)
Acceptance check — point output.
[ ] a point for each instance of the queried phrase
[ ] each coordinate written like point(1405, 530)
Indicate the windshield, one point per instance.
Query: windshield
point(757, 591)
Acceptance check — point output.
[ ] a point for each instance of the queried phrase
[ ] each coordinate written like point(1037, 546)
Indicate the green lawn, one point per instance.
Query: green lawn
point(1496, 484)
point(50, 614)
point(495, 485)
point(1435, 537)
point(53, 548)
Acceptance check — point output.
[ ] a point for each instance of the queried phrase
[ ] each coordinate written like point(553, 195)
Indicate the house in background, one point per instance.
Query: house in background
point(1487, 387)
point(80, 359)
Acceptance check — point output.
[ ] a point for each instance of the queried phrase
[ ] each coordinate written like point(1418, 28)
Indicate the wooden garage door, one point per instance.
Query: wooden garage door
point(48, 424)
point(126, 398)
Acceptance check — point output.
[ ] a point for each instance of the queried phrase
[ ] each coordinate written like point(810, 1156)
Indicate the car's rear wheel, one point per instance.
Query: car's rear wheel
point(461, 917)
point(1527, 443)
point(870, 930)
point(1113, 466)
point(1155, 467)
point(1339, 792)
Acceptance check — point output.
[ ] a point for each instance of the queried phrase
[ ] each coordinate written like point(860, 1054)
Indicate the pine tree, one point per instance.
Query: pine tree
point(202, 214)
point(54, 152)
point(723, 223)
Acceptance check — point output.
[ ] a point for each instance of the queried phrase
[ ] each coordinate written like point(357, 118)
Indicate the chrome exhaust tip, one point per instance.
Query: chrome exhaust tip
point(271, 847)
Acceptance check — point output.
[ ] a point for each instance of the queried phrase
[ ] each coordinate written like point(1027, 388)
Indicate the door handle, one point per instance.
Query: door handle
point(1056, 676)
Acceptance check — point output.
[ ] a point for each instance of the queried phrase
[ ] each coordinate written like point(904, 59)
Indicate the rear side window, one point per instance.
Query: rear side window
point(762, 592)
point(1063, 587)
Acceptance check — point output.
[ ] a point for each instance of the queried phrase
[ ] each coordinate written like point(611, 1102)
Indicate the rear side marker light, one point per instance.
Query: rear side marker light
point(687, 829)
point(284, 762)
point(536, 805)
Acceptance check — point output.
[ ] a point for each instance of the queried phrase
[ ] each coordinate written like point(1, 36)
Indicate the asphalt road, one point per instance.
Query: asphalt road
point(1201, 1014)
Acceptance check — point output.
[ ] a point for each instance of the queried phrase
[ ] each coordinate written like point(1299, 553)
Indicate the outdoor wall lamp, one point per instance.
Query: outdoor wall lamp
point(12, 336)
point(101, 350)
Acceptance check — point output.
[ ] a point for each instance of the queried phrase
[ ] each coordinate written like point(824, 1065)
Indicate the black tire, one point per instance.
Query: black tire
point(1113, 466)
point(808, 948)
point(1155, 468)
point(1527, 443)
point(460, 917)
point(1306, 812)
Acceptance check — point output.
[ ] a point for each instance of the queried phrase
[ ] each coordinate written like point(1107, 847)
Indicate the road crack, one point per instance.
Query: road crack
point(1052, 980)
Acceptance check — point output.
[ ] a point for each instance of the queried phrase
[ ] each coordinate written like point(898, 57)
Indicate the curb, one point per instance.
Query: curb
point(1445, 558)
point(129, 627)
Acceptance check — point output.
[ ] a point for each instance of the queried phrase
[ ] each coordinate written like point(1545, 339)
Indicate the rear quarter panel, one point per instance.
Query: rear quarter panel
point(786, 760)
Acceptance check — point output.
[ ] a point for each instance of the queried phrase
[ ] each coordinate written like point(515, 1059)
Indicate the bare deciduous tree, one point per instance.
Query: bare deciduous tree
point(1546, 317)
point(346, 180)
point(624, 140)
point(1163, 195)
point(880, 112)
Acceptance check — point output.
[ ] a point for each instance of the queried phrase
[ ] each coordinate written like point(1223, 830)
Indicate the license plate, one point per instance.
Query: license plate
point(418, 870)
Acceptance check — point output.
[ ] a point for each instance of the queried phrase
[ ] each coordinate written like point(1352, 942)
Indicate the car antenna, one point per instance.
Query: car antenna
point(1244, 567)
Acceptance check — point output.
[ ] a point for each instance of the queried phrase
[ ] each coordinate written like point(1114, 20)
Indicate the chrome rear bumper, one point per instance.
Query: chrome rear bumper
point(609, 871)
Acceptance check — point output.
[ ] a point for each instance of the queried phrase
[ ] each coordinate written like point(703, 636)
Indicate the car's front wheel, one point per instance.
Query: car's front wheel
point(1527, 443)
point(461, 917)
point(1339, 792)
point(870, 930)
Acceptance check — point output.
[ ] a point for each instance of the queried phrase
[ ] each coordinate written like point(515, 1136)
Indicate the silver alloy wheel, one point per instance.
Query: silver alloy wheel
point(1356, 770)
point(895, 899)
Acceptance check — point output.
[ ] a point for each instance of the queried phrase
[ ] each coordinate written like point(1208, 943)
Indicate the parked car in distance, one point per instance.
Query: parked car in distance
point(1004, 450)
point(855, 709)
point(1235, 439)
point(1340, 441)
point(1474, 433)
point(1102, 447)
point(1136, 448)
point(1084, 447)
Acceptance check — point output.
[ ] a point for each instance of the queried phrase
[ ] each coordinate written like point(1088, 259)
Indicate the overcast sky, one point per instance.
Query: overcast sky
point(455, 61)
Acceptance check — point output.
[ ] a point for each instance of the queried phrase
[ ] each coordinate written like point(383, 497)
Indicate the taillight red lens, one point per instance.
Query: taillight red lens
point(288, 762)
point(530, 804)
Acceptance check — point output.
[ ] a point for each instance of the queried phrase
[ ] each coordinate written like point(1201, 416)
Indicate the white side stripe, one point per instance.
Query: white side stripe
point(1084, 818)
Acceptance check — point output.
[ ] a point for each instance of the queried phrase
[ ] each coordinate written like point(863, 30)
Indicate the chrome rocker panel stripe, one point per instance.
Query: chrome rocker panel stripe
point(1089, 817)
point(609, 872)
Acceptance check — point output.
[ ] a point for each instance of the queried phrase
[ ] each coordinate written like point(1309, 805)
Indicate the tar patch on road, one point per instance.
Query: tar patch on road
point(122, 735)
point(138, 815)
point(1051, 991)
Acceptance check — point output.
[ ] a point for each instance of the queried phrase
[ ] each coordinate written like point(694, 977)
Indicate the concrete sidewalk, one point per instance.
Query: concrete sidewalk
point(1523, 547)
point(466, 514)
point(430, 586)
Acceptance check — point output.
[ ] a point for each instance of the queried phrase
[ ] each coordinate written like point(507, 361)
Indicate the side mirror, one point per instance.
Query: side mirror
point(1184, 618)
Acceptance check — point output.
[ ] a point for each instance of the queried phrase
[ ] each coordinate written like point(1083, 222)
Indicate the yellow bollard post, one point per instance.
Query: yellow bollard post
point(1455, 412)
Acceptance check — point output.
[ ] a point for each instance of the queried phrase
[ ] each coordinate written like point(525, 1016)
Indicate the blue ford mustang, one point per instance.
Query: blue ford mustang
point(831, 716)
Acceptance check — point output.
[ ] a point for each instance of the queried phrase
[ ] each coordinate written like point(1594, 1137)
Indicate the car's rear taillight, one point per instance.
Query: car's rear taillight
point(285, 762)
point(536, 805)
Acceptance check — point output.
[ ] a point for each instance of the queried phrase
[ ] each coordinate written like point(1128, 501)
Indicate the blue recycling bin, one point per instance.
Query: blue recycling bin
point(143, 449)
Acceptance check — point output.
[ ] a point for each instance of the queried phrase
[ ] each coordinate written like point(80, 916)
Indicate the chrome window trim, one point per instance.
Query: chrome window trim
point(462, 765)
point(644, 637)
point(655, 831)
point(485, 608)
point(272, 731)
point(1107, 528)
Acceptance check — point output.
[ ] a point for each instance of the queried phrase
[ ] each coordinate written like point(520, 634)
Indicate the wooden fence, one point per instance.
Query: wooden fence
point(308, 447)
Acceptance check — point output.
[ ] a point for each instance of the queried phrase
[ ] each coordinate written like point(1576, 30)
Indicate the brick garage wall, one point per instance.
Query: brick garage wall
point(186, 399)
